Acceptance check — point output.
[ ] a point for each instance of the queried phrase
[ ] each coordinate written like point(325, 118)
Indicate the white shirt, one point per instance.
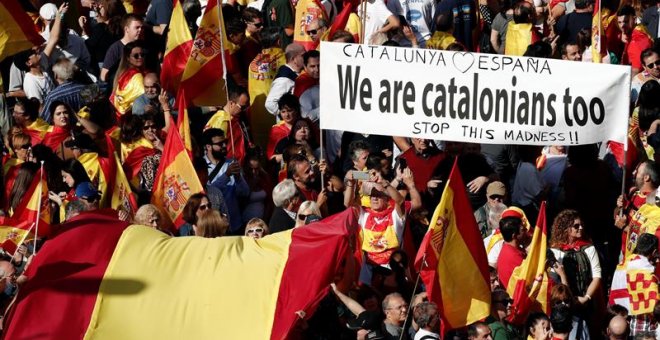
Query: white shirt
point(309, 103)
point(377, 14)
point(590, 251)
point(494, 252)
point(419, 14)
point(278, 88)
point(37, 86)
point(422, 333)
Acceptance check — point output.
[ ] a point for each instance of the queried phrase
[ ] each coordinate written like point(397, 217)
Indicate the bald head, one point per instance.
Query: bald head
point(294, 56)
point(151, 85)
point(618, 328)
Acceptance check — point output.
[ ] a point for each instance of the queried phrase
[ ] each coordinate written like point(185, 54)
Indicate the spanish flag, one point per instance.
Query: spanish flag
point(134, 282)
point(120, 196)
point(306, 12)
point(13, 234)
point(17, 33)
point(182, 122)
point(28, 207)
point(529, 284)
point(179, 44)
point(451, 256)
point(176, 180)
point(604, 31)
point(203, 77)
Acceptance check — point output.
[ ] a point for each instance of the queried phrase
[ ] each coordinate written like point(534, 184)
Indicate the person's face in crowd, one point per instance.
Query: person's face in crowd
point(150, 130)
point(523, 236)
point(378, 201)
point(218, 147)
point(303, 133)
point(288, 115)
point(494, 200)
point(652, 65)
point(20, 116)
point(22, 151)
point(502, 305)
point(255, 231)
point(314, 30)
point(494, 282)
point(153, 220)
point(541, 330)
point(572, 53)
point(312, 68)
point(484, 333)
point(255, 26)
point(396, 311)
point(136, 59)
point(361, 161)
point(61, 116)
point(35, 57)
point(420, 144)
point(639, 174)
point(304, 173)
point(243, 102)
point(133, 31)
point(576, 231)
point(626, 23)
point(237, 39)
point(151, 88)
point(91, 203)
point(204, 205)
point(299, 62)
point(68, 179)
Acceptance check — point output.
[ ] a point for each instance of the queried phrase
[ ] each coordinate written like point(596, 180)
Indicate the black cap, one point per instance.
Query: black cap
point(366, 320)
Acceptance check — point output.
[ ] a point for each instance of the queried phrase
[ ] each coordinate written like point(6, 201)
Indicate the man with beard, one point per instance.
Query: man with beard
point(224, 174)
point(149, 100)
point(304, 175)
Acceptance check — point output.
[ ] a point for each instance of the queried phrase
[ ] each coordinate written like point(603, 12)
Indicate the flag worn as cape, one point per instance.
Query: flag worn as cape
point(239, 287)
point(451, 254)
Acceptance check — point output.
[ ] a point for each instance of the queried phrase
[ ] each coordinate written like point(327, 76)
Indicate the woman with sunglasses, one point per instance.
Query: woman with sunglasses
point(197, 204)
point(575, 251)
point(308, 209)
point(129, 82)
point(256, 228)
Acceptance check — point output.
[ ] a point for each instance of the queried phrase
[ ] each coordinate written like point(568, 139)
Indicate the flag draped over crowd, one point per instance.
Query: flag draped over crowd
point(193, 288)
point(529, 283)
point(452, 259)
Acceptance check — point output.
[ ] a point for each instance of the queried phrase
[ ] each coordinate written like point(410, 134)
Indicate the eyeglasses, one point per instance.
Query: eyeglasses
point(204, 206)
point(258, 230)
point(257, 24)
point(497, 197)
point(138, 55)
point(303, 216)
point(147, 127)
point(654, 64)
point(313, 32)
point(400, 307)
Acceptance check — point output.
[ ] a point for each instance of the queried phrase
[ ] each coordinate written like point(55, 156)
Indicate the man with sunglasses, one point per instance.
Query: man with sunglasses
point(149, 100)
point(495, 195)
point(500, 309)
point(651, 71)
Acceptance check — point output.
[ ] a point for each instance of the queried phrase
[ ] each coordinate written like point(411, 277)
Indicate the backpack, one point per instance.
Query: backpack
point(578, 270)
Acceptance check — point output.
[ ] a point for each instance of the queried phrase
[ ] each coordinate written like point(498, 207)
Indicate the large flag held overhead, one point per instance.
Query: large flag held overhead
point(17, 33)
point(176, 180)
point(204, 74)
point(179, 44)
point(181, 288)
point(529, 284)
point(451, 255)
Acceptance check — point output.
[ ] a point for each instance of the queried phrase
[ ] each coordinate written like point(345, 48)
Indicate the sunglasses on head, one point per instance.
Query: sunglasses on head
point(138, 55)
point(654, 64)
point(258, 230)
point(204, 206)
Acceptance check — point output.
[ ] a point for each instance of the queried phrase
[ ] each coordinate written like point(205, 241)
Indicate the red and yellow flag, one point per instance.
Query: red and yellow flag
point(118, 297)
point(182, 122)
point(176, 180)
point(177, 51)
point(529, 284)
point(28, 208)
point(17, 33)
point(455, 255)
point(13, 234)
point(518, 38)
point(306, 12)
point(603, 31)
point(121, 196)
point(203, 77)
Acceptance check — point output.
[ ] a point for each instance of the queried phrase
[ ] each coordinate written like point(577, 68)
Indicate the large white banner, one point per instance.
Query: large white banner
point(471, 97)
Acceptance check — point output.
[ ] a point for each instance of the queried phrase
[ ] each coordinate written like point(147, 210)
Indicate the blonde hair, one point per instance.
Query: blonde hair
point(19, 139)
point(144, 214)
point(211, 224)
point(257, 222)
point(307, 205)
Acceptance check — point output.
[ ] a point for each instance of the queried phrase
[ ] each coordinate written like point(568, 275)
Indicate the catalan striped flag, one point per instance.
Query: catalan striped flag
point(179, 44)
point(176, 180)
point(452, 254)
point(183, 122)
point(134, 282)
point(17, 33)
point(529, 285)
point(204, 74)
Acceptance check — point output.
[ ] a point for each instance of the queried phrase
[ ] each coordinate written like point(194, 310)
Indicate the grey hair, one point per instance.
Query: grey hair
point(64, 69)
point(386, 300)
point(74, 208)
point(284, 192)
point(311, 205)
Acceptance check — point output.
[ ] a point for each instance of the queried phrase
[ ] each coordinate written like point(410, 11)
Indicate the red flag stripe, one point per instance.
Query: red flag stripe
point(23, 21)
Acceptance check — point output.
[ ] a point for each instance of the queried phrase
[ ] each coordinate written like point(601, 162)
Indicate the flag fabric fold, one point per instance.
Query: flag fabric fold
point(179, 45)
point(451, 255)
point(17, 33)
point(203, 77)
point(237, 286)
point(183, 122)
point(529, 285)
point(176, 180)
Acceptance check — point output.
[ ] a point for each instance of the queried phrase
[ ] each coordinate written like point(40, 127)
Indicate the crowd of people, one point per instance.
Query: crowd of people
point(94, 86)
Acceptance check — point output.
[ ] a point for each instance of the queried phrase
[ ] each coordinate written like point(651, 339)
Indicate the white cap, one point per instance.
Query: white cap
point(48, 11)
